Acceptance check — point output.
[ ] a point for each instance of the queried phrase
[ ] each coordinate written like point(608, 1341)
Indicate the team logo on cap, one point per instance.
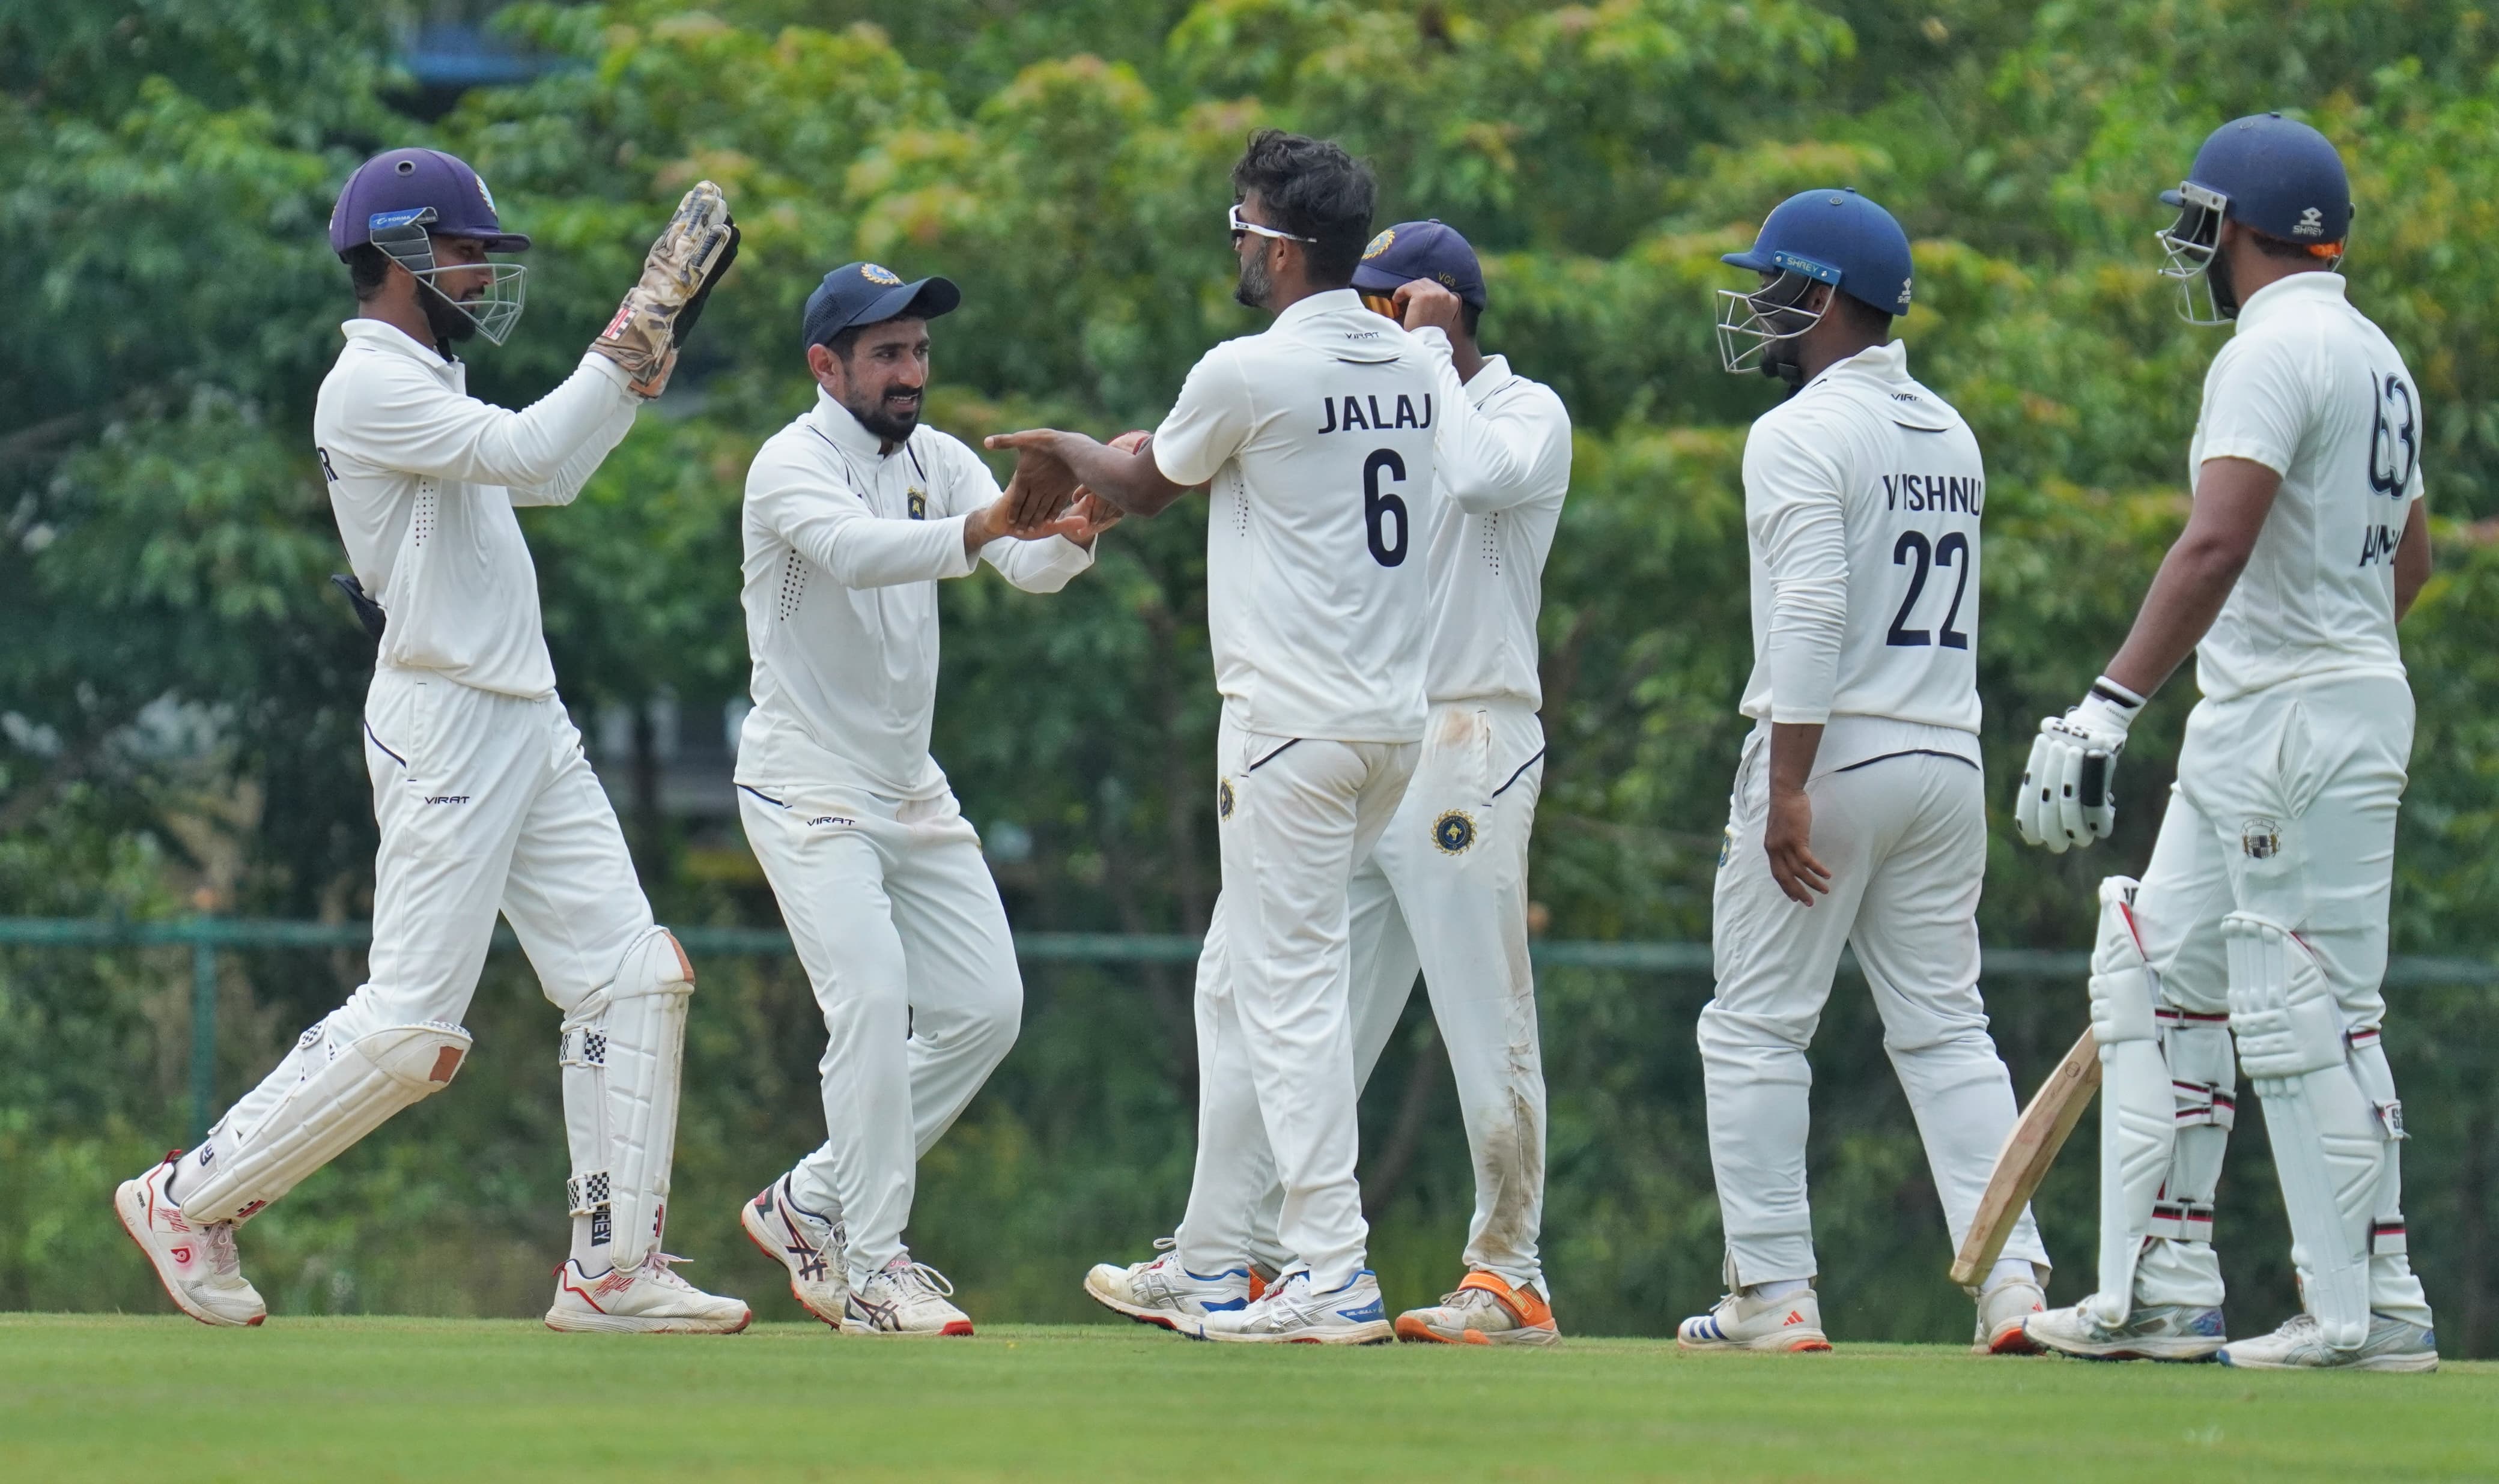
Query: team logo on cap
point(1224, 800)
point(1380, 245)
point(1453, 833)
point(875, 275)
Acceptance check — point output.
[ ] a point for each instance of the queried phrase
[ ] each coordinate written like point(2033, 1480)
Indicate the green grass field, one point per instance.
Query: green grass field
point(160, 1398)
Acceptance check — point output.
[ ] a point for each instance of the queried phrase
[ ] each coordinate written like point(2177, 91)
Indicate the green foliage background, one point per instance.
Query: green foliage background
point(179, 690)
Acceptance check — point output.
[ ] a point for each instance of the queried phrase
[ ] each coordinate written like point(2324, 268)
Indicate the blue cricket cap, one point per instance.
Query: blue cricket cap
point(1421, 249)
point(867, 294)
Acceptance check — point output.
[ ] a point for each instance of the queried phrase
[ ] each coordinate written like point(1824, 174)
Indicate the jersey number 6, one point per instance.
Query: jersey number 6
point(1952, 551)
point(1378, 506)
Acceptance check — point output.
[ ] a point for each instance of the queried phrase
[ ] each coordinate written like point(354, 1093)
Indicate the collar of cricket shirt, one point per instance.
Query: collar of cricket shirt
point(2283, 294)
point(1889, 362)
point(394, 339)
point(1491, 379)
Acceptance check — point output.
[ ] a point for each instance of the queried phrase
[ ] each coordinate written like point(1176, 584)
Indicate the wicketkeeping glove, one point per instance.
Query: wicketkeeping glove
point(653, 322)
point(2068, 796)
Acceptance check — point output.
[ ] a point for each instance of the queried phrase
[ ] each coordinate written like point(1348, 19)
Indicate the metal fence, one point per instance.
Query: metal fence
point(207, 936)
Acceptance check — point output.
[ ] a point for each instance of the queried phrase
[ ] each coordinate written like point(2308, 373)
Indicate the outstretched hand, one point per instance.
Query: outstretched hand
point(1043, 484)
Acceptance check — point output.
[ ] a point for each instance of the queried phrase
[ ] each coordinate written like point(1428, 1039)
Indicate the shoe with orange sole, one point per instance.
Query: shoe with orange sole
point(1485, 1310)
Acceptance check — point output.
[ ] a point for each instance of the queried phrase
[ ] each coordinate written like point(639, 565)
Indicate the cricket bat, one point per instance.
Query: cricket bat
point(2027, 1152)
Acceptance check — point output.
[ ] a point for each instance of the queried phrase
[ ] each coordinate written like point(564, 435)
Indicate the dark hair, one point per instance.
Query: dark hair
point(1311, 188)
point(2273, 246)
point(844, 344)
point(368, 270)
point(1470, 315)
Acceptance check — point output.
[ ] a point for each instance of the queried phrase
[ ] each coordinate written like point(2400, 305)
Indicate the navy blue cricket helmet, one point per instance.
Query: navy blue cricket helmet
point(1831, 235)
point(2272, 175)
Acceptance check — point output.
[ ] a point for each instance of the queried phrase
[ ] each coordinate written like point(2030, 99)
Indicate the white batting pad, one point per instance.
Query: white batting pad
point(2328, 1146)
point(2137, 1129)
point(348, 1089)
point(623, 1051)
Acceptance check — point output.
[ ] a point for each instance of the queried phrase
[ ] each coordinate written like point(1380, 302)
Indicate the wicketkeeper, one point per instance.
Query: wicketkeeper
point(485, 801)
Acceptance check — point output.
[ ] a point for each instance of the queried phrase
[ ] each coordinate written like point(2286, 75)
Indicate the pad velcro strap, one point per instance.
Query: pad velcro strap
point(2170, 1016)
point(2387, 1237)
point(1523, 1305)
point(2201, 1103)
point(2181, 1221)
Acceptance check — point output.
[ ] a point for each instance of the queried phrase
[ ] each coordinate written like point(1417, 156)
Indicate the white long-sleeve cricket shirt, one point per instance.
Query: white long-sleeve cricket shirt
point(1862, 502)
point(844, 548)
point(1503, 460)
point(423, 478)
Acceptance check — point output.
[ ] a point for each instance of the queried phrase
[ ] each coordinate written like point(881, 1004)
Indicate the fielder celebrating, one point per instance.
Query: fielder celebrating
point(1317, 437)
point(854, 513)
point(484, 798)
point(1446, 888)
point(2263, 910)
point(1858, 815)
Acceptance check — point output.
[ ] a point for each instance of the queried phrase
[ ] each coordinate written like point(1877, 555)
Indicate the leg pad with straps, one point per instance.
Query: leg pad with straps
point(2138, 1122)
point(2331, 1142)
point(347, 1089)
point(624, 1046)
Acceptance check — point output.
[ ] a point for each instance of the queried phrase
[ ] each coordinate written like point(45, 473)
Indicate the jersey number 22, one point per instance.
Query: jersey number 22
point(1953, 551)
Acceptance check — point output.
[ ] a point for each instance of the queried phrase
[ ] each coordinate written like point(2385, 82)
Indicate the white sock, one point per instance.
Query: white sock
point(1777, 1288)
point(2010, 1269)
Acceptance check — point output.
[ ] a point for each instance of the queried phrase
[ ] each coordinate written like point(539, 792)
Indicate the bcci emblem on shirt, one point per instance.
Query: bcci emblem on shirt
point(919, 504)
point(1453, 833)
point(1224, 800)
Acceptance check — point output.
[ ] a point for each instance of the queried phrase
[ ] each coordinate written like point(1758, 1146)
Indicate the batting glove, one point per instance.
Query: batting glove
point(2068, 797)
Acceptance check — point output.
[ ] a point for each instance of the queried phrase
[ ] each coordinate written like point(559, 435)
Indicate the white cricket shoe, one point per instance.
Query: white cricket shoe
point(2161, 1332)
point(1743, 1322)
point(808, 1244)
point(1295, 1311)
point(1162, 1291)
point(1485, 1310)
point(2393, 1344)
point(196, 1263)
point(648, 1300)
point(904, 1299)
point(2003, 1311)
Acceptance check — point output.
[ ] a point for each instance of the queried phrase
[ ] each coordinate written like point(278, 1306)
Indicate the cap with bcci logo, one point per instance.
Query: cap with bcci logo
point(1420, 249)
point(866, 294)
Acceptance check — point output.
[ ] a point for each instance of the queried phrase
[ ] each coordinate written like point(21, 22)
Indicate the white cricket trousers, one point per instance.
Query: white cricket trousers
point(1444, 890)
point(905, 943)
point(1906, 840)
point(2285, 806)
point(485, 803)
point(1274, 998)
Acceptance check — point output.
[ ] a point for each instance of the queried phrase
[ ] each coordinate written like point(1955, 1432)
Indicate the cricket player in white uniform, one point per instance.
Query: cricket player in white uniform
point(1318, 439)
point(1446, 888)
point(2263, 914)
point(484, 798)
point(1859, 815)
point(854, 514)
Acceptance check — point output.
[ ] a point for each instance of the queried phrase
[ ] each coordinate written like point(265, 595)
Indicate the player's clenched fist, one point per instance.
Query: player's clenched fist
point(660, 311)
point(2068, 796)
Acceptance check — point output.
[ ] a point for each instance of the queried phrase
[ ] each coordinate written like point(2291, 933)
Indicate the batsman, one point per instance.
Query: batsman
point(2263, 914)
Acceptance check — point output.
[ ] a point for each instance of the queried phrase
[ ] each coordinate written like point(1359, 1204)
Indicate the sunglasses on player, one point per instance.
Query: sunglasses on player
point(1239, 225)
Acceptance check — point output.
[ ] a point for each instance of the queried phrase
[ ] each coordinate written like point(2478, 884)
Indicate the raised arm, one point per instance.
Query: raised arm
point(417, 424)
point(831, 525)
